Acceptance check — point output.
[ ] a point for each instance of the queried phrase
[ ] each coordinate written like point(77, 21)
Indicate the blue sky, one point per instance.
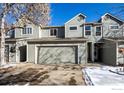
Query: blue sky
point(62, 12)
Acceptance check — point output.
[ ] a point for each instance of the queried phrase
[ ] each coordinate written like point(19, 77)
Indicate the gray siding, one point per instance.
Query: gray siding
point(31, 53)
point(46, 32)
point(107, 32)
point(82, 53)
point(35, 32)
point(61, 32)
point(74, 33)
point(109, 52)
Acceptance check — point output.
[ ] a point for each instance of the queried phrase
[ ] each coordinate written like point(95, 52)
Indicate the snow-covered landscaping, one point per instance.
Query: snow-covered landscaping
point(103, 76)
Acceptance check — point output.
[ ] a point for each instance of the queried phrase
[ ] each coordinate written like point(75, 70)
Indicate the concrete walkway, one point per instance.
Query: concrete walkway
point(101, 76)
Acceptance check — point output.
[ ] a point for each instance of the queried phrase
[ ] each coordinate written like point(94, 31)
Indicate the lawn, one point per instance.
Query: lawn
point(34, 74)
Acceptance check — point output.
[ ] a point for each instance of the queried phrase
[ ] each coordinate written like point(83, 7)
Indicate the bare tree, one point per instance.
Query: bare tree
point(36, 13)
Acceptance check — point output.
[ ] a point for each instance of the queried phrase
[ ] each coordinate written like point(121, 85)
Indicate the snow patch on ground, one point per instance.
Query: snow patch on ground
point(101, 76)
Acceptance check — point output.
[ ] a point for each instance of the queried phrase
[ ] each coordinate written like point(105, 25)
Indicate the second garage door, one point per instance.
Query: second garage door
point(56, 54)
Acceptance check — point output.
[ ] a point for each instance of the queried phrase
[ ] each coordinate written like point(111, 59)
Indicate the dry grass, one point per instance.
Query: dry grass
point(72, 81)
point(33, 74)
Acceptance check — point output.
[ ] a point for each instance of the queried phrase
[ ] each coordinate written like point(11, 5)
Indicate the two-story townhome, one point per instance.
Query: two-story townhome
point(76, 42)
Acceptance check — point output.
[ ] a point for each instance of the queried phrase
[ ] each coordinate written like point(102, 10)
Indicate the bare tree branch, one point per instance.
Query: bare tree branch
point(38, 14)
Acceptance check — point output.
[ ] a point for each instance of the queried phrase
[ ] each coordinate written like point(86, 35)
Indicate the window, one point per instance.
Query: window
point(53, 32)
point(27, 31)
point(87, 27)
point(98, 31)
point(73, 28)
point(114, 27)
point(87, 30)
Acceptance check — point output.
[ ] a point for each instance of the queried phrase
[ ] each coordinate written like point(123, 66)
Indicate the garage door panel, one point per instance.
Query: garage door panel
point(56, 55)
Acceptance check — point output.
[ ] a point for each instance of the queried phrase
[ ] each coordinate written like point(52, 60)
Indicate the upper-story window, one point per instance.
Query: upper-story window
point(98, 30)
point(114, 27)
point(53, 32)
point(87, 30)
point(73, 28)
point(27, 30)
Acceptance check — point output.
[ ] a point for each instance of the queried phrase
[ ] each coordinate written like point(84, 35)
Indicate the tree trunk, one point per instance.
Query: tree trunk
point(123, 63)
point(3, 41)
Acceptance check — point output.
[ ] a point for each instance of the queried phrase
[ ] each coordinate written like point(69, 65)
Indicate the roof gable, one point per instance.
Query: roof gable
point(116, 18)
point(80, 14)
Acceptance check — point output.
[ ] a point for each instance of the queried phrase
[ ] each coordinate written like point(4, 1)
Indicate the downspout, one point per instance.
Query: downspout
point(86, 53)
point(93, 51)
point(27, 53)
point(102, 25)
point(84, 28)
point(116, 53)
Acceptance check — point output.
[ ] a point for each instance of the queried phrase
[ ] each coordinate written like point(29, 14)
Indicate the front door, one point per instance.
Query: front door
point(23, 53)
point(7, 53)
point(89, 49)
point(98, 52)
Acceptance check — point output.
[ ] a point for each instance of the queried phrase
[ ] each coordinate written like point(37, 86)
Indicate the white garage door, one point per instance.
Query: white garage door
point(56, 54)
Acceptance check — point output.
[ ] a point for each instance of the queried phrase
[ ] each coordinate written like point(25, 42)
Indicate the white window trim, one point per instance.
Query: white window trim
point(53, 35)
point(88, 30)
point(27, 34)
point(113, 25)
point(73, 26)
point(101, 30)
